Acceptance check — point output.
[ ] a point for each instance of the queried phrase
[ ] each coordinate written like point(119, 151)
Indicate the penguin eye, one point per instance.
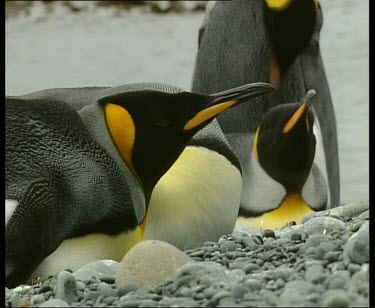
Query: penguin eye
point(163, 122)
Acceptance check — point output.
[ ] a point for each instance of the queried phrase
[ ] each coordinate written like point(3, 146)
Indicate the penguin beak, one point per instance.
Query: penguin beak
point(307, 99)
point(218, 102)
point(302, 109)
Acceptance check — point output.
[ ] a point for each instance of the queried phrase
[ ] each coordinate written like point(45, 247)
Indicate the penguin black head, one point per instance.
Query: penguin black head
point(284, 143)
point(151, 128)
point(290, 25)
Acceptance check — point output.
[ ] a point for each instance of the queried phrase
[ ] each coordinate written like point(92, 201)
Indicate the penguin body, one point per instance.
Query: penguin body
point(79, 184)
point(276, 42)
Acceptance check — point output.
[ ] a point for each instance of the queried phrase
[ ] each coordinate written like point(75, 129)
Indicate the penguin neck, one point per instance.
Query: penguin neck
point(94, 120)
point(152, 165)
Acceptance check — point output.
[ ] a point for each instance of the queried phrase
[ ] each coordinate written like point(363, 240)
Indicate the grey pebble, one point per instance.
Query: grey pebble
point(296, 236)
point(250, 243)
point(209, 243)
point(130, 303)
point(345, 211)
point(55, 303)
point(335, 298)
point(91, 295)
point(336, 266)
point(364, 216)
point(178, 302)
point(105, 289)
point(100, 269)
point(109, 300)
point(269, 297)
point(228, 246)
point(250, 296)
point(98, 300)
point(354, 227)
point(250, 268)
point(108, 278)
point(360, 277)
point(253, 284)
point(357, 249)
point(336, 282)
point(80, 285)
point(221, 294)
point(237, 265)
point(315, 274)
point(185, 292)
point(282, 273)
point(296, 292)
point(319, 225)
point(37, 299)
point(279, 283)
point(269, 233)
point(238, 290)
point(44, 288)
point(313, 241)
point(198, 296)
point(332, 256)
point(148, 303)
point(211, 291)
point(353, 268)
point(126, 288)
point(235, 254)
point(198, 253)
point(322, 249)
point(48, 295)
point(282, 241)
point(66, 287)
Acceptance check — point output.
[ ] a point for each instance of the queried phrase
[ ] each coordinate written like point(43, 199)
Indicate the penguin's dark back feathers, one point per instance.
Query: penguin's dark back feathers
point(212, 137)
point(46, 140)
point(233, 52)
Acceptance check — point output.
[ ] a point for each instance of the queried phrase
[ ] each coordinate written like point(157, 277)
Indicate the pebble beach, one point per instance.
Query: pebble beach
point(323, 262)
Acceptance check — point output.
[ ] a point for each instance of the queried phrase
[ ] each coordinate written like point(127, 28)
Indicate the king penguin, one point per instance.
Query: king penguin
point(283, 182)
point(275, 41)
point(198, 198)
point(79, 184)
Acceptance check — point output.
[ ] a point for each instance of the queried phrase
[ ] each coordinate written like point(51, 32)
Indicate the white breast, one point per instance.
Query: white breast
point(10, 207)
point(197, 200)
point(76, 252)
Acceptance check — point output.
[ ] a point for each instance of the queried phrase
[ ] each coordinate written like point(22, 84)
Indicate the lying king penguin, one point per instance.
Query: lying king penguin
point(80, 179)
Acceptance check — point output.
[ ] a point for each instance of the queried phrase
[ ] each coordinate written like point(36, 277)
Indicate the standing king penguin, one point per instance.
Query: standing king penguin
point(275, 41)
point(78, 184)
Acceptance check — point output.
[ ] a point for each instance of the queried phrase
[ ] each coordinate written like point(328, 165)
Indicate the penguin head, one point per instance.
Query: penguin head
point(284, 143)
point(151, 128)
point(290, 25)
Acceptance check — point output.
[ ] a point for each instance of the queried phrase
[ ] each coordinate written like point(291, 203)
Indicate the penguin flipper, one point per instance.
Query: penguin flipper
point(315, 78)
point(315, 189)
point(30, 234)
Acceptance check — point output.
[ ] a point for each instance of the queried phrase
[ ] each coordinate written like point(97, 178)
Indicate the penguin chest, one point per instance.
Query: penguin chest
point(76, 252)
point(197, 200)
